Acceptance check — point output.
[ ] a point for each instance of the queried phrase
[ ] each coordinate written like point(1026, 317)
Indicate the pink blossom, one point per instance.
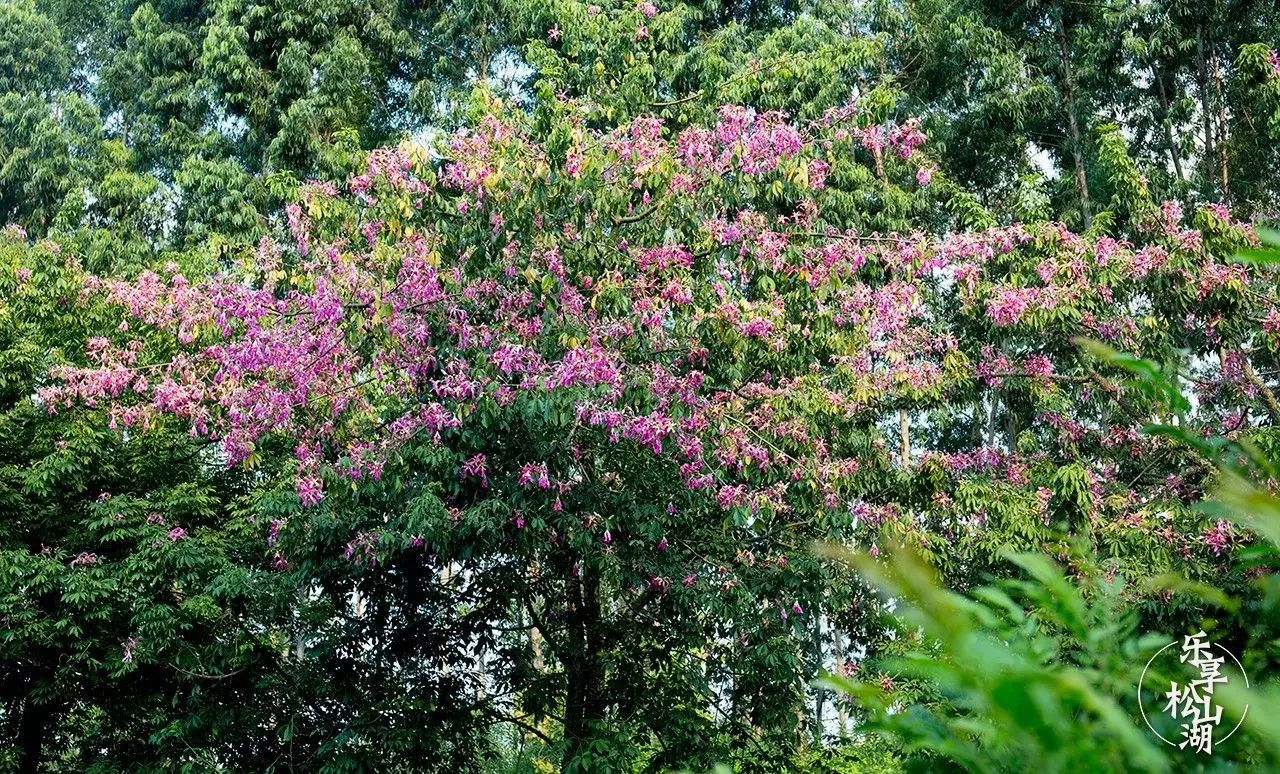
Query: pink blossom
point(1038, 365)
point(1217, 537)
point(535, 472)
point(818, 170)
point(1007, 306)
point(310, 490)
point(476, 467)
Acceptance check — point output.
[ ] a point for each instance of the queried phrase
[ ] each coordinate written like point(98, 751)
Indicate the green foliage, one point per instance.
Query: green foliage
point(32, 55)
point(1038, 671)
point(1014, 668)
point(126, 580)
point(141, 132)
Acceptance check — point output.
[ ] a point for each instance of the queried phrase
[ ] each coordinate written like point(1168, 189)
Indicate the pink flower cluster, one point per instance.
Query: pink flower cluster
point(679, 317)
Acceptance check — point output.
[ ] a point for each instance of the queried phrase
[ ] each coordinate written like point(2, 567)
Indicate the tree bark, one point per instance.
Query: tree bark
point(1206, 115)
point(820, 699)
point(904, 437)
point(31, 733)
point(535, 644)
point(1073, 125)
point(992, 419)
point(1268, 396)
point(585, 702)
point(1225, 176)
point(838, 652)
point(1174, 155)
point(1010, 428)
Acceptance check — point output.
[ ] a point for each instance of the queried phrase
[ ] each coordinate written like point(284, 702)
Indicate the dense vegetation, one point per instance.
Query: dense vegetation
point(616, 386)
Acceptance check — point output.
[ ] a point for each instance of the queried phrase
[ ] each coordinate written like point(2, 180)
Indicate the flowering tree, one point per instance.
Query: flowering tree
point(607, 387)
point(124, 594)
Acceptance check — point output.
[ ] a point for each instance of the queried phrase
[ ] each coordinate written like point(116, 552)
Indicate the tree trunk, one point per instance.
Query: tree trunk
point(838, 652)
point(535, 644)
point(1073, 125)
point(992, 419)
point(299, 631)
point(820, 699)
point(1206, 114)
point(904, 437)
point(1010, 429)
point(1225, 177)
point(1174, 155)
point(585, 703)
point(31, 733)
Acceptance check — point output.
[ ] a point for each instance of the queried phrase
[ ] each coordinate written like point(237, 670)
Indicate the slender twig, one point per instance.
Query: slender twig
point(200, 676)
